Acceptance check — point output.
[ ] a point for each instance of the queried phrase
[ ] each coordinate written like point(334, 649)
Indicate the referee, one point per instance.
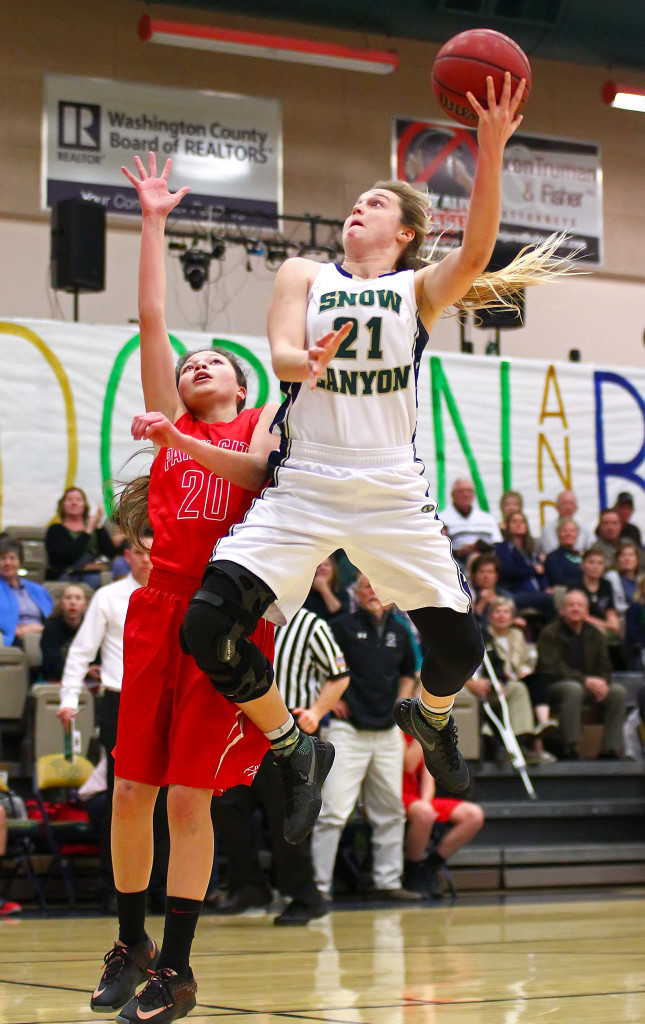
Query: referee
point(311, 675)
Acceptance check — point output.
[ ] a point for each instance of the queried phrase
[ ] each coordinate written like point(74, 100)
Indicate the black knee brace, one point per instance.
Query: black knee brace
point(217, 623)
point(454, 648)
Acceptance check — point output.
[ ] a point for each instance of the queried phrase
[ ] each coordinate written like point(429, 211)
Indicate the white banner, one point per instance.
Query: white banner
point(68, 393)
point(548, 184)
point(227, 148)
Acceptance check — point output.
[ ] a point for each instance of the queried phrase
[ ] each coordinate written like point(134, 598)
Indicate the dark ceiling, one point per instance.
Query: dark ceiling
point(605, 32)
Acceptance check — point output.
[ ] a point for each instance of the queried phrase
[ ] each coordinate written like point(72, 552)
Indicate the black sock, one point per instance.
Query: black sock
point(435, 861)
point(179, 929)
point(131, 907)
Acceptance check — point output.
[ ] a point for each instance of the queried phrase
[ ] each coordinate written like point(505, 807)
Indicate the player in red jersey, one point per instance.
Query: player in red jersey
point(175, 728)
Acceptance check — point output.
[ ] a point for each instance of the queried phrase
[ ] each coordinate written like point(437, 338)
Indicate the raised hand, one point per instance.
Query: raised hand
point(152, 190)
point(322, 353)
point(500, 120)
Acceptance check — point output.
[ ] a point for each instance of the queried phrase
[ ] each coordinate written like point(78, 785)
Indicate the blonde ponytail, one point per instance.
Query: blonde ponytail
point(497, 289)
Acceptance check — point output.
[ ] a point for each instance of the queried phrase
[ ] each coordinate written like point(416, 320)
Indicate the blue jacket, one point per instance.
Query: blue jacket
point(9, 609)
point(516, 570)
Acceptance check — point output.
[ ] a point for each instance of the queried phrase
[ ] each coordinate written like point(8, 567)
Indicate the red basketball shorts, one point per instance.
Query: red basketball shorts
point(174, 727)
point(443, 806)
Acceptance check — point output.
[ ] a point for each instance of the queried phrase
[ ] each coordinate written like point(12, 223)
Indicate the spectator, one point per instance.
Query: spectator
point(60, 629)
point(24, 605)
point(325, 598)
point(423, 810)
point(518, 661)
point(76, 543)
point(510, 501)
point(515, 691)
point(635, 629)
point(469, 528)
point(306, 656)
point(624, 508)
point(574, 658)
point(623, 577)
point(608, 535)
point(563, 567)
point(602, 613)
point(102, 630)
point(369, 750)
point(521, 573)
point(7, 907)
point(120, 564)
point(566, 504)
point(484, 575)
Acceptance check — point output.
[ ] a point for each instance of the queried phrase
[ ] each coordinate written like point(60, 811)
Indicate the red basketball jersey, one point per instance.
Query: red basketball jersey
point(190, 508)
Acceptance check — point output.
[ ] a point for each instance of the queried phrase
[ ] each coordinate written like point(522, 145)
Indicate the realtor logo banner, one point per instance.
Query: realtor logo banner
point(227, 148)
point(547, 184)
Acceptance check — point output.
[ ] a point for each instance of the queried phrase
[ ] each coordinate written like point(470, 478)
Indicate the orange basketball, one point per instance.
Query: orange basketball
point(464, 64)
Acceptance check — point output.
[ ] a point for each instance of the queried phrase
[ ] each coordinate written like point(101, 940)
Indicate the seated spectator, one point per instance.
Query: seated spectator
point(520, 571)
point(602, 613)
point(510, 501)
point(120, 564)
point(624, 577)
point(60, 629)
point(624, 508)
point(24, 605)
point(573, 656)
point(566, 504)
point(76, 544)
point(484, 578)
point(325, 599)
point(7, 907)
point(563, 567)
point(469, 528)
point(517, 697)
point(424, 861)
point(635, 629)
point(517, 659)
point(608, 535)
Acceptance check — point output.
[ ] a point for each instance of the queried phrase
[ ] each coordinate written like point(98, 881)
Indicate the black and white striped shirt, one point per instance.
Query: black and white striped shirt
point(306, 656)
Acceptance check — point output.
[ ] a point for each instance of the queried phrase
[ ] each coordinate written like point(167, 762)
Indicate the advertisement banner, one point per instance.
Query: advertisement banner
point(548, 184)
point(227, 148)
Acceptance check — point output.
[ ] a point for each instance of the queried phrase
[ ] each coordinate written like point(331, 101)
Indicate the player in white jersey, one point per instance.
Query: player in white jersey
point(347, 341)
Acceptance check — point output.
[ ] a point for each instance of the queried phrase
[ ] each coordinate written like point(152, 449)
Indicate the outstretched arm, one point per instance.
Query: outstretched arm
point(246, 469)
point(157, 361)
point(441, 284)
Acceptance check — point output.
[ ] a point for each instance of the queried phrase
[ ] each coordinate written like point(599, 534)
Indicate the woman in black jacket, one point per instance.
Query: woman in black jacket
point(76, 544)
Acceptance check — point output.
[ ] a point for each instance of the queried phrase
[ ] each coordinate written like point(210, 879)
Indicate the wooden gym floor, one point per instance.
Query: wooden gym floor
point(544, 961)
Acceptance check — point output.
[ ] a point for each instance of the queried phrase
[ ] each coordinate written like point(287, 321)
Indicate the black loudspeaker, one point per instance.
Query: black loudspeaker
point(78, 246)
point(503, 318)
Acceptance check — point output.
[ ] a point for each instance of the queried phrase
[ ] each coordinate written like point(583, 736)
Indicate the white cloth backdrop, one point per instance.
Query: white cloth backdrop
point(68, 393)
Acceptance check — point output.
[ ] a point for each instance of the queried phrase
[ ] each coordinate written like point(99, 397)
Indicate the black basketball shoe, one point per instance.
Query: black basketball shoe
point(126, 967)
point(166, 997)
point(302, 774)
point(440, 751)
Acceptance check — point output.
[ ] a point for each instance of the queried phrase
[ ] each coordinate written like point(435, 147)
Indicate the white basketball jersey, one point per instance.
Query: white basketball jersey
point(368, 395)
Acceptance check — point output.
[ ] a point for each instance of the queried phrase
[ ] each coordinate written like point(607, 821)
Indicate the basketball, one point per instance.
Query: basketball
point(463, 65)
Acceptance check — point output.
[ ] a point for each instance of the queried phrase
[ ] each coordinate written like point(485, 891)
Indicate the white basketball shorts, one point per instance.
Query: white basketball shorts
point(372, 503)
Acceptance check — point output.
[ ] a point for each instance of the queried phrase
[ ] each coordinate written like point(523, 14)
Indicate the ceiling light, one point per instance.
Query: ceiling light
point(259, 44)
point(626, 97)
